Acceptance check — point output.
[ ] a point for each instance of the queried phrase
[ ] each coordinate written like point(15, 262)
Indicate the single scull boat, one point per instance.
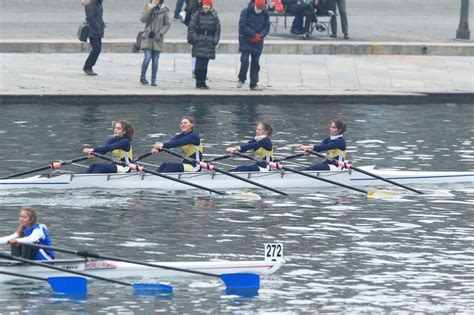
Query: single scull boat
point(117, 270)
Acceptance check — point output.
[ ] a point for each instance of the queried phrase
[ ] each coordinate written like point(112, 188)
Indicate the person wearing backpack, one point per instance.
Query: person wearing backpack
point(254, 26)
point(157, 22)
point(94, 13)
point(204, 33)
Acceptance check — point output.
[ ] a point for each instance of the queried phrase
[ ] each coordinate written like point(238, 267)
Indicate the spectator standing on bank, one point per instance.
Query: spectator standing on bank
point(157, 22)
point(204, 32)
point(341, 6)
point(254, 25)
point(94, 13)
point(177, 10)
point(191, 7)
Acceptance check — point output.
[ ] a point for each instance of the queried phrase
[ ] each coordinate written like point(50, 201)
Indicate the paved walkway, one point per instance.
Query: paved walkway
point(30, 75)
point(369, 67)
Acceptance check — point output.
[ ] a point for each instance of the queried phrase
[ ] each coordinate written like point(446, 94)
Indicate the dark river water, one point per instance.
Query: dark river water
point(344, 253)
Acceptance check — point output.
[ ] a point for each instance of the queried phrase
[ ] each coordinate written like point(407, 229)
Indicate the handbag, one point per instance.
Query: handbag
point(138, 42)
point(83, 32)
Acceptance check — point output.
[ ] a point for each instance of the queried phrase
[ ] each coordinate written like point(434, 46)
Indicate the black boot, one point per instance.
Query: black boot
point(200, 79)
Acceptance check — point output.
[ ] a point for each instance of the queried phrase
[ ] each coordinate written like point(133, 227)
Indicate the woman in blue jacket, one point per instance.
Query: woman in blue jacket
point(334, 145)
point(262, 147)
point(189, 143)
point(29, 232)
point(120, 146)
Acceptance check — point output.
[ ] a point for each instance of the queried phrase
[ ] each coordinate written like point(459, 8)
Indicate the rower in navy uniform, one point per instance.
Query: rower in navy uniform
point(29, 232)
point(262, 147)
point(334, 145)
point(120, 146)
point(189, 143)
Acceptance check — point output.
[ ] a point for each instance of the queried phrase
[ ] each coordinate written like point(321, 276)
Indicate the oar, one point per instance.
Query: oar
point(156, 287)
point(212, 167)
point(68, 285)
point(279, 166)
point(142, 169)
point(218, 158)
point(289, 157)
point(141, 157)
point(231, 280)
point(53, 165)
point(348, 165)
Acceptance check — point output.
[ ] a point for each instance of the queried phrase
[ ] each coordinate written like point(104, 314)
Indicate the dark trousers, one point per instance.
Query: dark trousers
point(179, 7)
point(97, 168)
point(201, 71)
point(246, 168)
point(170, 168)
point(96, 44)
point(254, 67)
point(305, 10)
point(319, 167)
point(341, 6)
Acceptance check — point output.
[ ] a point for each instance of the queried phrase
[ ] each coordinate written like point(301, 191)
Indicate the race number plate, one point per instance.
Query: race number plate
point(273, 251)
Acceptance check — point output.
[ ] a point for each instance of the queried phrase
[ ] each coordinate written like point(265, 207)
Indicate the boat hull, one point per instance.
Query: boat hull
point(117, 270)
point(274, 179)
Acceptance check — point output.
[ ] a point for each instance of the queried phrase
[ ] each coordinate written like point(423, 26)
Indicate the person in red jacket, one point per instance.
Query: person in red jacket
point(254, 26)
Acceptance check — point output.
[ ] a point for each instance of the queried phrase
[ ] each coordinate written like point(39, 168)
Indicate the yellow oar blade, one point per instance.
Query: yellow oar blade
point(380, 194)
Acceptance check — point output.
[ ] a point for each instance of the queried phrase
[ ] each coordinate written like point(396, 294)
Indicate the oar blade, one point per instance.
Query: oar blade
point(245, 195)
point(380, 194)
point(152, 288)
point(69, 285)
point(241, 280)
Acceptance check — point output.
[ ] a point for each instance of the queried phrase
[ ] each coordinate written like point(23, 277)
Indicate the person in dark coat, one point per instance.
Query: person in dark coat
point(94, 14)
point(204, 32)
point(191, 7)
point(254, 26)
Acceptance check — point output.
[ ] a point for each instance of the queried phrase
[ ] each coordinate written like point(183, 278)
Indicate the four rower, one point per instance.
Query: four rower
point(29, 232)
point(120, 146)
point(189, 143)
point(334, 145)
point(262, 147)
point(191, 146)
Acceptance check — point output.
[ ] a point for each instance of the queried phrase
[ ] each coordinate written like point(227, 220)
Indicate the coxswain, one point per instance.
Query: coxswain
point(29, 232)
point(189, 143)
point(121, 147)
point(262, 147)
point(334, 146)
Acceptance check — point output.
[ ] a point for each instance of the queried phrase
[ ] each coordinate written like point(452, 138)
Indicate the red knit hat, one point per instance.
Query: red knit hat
point(260, 4)
point(207, 2)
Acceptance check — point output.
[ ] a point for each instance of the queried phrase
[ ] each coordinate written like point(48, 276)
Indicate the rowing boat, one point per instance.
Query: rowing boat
point(275, 179)
point(117, 270)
